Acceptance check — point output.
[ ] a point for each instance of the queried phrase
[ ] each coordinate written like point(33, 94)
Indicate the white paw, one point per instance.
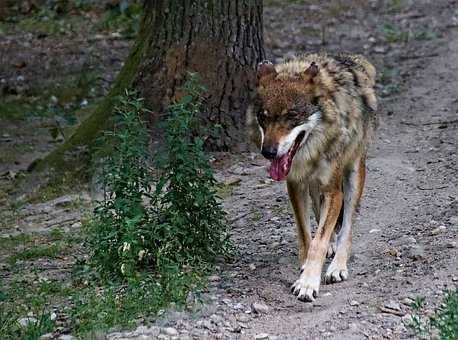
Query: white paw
point(335, 273)
point(306, 288)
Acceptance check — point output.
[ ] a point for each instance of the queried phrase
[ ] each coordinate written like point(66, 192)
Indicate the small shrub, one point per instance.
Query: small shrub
point(178, 224)
point(193, 227)
point(118, 233)
point(444, 321)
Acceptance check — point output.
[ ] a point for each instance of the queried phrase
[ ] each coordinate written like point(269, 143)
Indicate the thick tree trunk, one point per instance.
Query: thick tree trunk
point(220, 40)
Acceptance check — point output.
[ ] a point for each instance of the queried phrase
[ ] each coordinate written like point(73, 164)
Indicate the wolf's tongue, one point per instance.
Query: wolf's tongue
point(279, 167)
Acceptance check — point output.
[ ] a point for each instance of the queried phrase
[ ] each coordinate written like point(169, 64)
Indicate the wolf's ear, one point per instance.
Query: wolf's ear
point(265, 68)
point(312, 71)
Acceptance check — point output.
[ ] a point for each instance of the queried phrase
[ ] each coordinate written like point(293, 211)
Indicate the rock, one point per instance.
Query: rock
point(252, 266)
point(170, 331)
point(451, 244)
point(393, 305)
point(260, 308)
point(24, 322)
point(354, 303)
point(407, 301)
point(66, 337)
point(243, 318)
point(216, 319)
point(283, 260)
point(47, 336)
point(214, 278)
point(380, 49)
point(417, 252)
point(454, 220)
point(438, 230)
point(261, 336)
point(374, 231)
point(410, 239)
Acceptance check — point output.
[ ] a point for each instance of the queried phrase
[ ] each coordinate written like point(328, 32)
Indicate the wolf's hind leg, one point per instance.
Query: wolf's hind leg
point(353, 185)
point(299, 196)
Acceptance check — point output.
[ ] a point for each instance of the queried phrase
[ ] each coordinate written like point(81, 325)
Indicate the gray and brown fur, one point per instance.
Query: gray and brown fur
point(328, 171)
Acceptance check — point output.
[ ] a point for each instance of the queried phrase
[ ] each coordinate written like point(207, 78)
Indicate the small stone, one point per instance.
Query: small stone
point(47, 336)
point(66, 337)
point(24, 322)
point(214, 278)
point(451, 244)
point(379, 49)
point(283, 260)
point(354, 303)
point(243, 318)
point(261, 336)
point(393, 252)
point(260, 308)
point(417, 252)
point(170, 331)
point(374, 231)
point(438, 230)
point(53, 316)
point(252, 266)
point(411, 239)
point(407, 301)
point(454, 220)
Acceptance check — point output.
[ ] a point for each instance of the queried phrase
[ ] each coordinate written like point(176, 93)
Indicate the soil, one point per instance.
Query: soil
point(404, 239)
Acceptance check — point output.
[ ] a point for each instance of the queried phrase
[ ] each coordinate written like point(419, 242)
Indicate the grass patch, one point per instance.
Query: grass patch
point(394, 34)
point(36, 252)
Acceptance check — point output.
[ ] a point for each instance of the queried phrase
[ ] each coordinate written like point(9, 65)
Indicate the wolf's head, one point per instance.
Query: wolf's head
point(287, 111)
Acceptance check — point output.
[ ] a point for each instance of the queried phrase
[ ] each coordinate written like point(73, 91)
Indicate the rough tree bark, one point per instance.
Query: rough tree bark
point(220, 40)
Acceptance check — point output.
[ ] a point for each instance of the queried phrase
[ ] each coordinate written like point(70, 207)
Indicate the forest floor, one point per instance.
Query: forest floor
point(405, 235)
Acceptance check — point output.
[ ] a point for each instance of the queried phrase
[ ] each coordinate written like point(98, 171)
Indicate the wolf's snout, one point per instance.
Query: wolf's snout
point(269, 152)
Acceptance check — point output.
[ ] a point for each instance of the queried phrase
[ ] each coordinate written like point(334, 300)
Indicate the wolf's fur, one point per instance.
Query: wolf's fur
point(331, 101)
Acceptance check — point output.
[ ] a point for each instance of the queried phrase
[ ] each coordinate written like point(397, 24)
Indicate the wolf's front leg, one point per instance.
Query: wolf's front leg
point(307, 286)
point(299, 196)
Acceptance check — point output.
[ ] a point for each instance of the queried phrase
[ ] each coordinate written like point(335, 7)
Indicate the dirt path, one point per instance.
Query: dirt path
point(404, 238)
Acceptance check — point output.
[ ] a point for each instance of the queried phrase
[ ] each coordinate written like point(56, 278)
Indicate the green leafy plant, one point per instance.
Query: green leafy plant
point(119, 231)
point(124, 18)
point(180, 223)
point(444, 321)
point(193, 227)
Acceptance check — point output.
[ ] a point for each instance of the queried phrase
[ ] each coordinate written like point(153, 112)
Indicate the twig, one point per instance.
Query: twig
point(418, 56)
point(239, 217)
point(436, 188)
point(453, 121)
point(442, 122)
point(391, 311)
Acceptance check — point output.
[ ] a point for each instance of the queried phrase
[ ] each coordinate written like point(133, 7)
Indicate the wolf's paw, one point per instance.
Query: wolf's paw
point(331, 249)
point(336, 273)
point(306, 288)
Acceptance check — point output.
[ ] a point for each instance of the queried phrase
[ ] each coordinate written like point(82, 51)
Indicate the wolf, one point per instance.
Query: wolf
point(316, 114)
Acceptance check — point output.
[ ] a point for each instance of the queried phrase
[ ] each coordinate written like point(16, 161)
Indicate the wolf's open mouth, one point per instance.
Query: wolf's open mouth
point(279, 168)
